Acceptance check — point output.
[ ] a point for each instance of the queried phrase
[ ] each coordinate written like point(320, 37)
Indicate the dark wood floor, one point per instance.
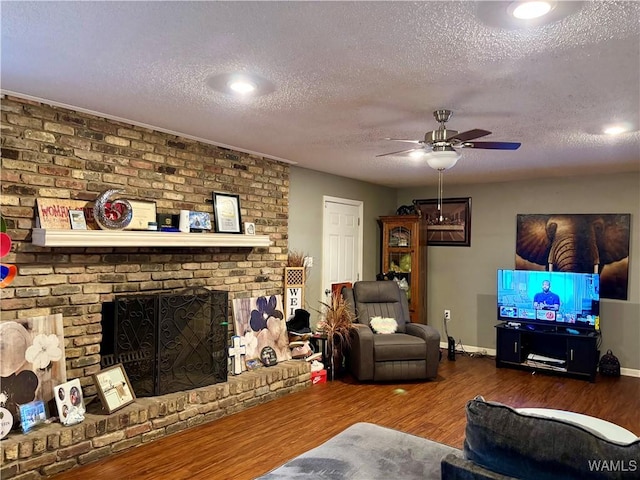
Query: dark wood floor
point(250, 443)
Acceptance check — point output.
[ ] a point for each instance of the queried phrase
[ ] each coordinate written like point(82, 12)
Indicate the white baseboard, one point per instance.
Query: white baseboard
point(627, 372)
point(630, 372)
point(471, 349)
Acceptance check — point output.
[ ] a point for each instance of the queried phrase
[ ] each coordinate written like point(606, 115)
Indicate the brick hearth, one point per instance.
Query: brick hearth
point(54, 448)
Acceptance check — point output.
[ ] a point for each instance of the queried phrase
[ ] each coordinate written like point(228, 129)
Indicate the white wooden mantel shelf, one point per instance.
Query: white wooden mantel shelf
point(126, 238)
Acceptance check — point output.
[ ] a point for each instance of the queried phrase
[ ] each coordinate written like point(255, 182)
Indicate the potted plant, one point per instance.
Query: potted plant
point(337, 324)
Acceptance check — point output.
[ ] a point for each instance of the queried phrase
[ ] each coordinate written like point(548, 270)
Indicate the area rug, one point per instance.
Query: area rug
point(365, 451)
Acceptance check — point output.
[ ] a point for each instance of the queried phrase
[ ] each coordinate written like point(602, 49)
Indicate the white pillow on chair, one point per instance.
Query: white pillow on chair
point(383, 325)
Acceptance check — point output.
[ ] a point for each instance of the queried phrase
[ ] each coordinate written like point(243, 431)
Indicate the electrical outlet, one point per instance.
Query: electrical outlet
point(447, 314)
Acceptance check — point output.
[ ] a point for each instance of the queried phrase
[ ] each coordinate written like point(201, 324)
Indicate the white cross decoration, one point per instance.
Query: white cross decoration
point(236, 350)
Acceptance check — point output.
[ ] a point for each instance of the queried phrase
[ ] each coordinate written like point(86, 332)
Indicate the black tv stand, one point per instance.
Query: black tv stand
point(548, 349)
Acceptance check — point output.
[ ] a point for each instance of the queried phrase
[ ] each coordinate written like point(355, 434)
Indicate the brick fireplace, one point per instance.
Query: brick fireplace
point(53, 152)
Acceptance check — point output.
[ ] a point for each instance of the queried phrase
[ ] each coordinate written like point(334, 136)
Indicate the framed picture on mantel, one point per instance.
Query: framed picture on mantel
point(226, 213)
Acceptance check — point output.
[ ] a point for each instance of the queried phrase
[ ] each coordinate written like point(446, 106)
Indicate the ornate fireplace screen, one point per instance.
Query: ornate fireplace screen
point(167, 342)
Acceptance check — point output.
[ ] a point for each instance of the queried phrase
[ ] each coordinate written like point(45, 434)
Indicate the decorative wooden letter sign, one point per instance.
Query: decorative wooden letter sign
point(293, 289)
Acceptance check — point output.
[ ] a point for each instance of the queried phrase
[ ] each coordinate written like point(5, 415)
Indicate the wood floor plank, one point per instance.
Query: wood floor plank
point(250, 443)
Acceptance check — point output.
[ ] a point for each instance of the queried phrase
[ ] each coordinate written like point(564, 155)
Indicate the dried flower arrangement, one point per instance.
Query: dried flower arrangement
point(337, 325)
point(337, 319)
point(296, 258)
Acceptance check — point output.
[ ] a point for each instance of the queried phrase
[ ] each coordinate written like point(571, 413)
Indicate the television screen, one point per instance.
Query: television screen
point(549, 298)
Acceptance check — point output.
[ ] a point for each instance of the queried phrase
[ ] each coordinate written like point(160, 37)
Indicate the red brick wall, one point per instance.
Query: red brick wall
point(58, 153)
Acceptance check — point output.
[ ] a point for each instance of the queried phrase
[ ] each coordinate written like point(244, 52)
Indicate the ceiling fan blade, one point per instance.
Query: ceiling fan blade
point(468, 135)
point(403, 140)
point(398, 153)
point(494, 145)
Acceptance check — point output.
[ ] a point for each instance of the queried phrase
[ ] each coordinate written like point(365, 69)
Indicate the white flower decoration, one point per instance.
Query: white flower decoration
point(44, 350)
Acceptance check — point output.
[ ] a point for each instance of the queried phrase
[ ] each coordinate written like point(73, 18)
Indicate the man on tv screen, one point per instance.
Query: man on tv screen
point(546, 299)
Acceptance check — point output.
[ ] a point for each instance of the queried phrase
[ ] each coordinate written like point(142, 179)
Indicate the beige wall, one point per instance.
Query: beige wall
point(463, 279)
point(307, 188)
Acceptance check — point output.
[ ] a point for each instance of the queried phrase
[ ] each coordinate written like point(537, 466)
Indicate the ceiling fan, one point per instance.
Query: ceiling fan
point(445, 140)
point(438, 147)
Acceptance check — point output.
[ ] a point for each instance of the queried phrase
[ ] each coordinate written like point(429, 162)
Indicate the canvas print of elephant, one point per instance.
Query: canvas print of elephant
point(260, 323)
point(583, 243)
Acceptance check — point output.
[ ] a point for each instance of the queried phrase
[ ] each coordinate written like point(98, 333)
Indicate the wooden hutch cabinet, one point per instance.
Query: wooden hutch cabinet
point(404, 252)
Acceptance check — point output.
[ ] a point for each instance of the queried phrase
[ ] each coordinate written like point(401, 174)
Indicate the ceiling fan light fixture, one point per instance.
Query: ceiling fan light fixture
point(419, 153)
point(442, 159)
point(530, 10)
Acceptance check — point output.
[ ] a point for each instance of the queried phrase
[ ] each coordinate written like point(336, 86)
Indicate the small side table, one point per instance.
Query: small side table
point(321, 345)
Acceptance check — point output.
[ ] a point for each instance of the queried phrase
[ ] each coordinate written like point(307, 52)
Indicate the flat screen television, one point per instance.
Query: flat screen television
point(565, 299)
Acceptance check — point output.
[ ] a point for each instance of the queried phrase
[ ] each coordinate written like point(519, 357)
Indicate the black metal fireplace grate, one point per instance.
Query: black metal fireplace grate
point(167, 342)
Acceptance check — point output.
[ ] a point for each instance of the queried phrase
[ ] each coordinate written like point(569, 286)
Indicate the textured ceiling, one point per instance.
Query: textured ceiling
point(344, 76)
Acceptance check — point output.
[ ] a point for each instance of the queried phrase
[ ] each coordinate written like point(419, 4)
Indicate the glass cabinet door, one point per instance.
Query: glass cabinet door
point(399, 237)
point(400, 263)
point(404, 259)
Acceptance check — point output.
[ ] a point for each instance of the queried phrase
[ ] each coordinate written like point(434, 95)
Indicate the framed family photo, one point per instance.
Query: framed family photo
point(32, 414)
point(68, 396)
point(452, 226)
point(249, 228)
point(77, 219)
point(114, 388)
point(226, 213)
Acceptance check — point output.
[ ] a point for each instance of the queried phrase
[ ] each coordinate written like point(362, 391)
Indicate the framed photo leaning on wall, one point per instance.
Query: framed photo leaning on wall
point(226, 213)
point(114, 388)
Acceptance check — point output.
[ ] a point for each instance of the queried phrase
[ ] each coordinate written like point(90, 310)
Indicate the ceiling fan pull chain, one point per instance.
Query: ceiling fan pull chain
point(440, 196)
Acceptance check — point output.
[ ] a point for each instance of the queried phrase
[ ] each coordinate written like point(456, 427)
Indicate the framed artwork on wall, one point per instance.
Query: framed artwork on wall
point(226, 213)
point(584, 243)
point(452, 226)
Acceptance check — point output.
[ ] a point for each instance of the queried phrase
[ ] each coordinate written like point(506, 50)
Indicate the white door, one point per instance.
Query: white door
point(341, 243)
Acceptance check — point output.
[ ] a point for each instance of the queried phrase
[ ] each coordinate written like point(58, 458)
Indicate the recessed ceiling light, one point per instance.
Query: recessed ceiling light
point(242, 86)
point(529, 10)
point(513, 15)
point(615, 129)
